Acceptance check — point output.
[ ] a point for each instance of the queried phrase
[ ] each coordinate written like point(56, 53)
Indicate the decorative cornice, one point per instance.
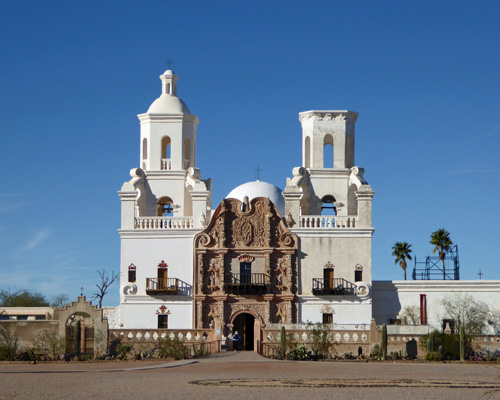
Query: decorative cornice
point(329, 115)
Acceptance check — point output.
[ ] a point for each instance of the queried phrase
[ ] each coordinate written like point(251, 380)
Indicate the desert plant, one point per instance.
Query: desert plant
point(300, 353)
point(462, 343)
point(48, 343)
point(173, 348)
point(78, 337)
point(321, 344)
point(383, 345)
point(282, 348)
point(9, 343)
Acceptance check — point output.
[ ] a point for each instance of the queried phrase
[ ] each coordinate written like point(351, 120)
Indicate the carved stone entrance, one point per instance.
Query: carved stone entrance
point(244, 324)
point(245, 263)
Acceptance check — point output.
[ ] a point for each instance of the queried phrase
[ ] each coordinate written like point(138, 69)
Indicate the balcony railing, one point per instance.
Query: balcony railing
point(166, 164)
point(162, 286)
point(244, 283)
point(327, 221)
point(337, 286)
point(163, 223)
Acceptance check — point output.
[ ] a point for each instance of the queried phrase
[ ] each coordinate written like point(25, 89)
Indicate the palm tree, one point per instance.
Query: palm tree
point(441, 239)
point(401, 250)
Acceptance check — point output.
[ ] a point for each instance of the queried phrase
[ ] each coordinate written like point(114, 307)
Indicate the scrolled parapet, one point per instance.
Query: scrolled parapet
point(363, 290)
point(334, 116)
point(300, 174)
point(129, 288)
point(356, 177)
point(136, 173)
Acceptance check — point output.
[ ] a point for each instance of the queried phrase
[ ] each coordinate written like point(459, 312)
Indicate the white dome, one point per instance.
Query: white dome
point(259, 189)
point(168, 104)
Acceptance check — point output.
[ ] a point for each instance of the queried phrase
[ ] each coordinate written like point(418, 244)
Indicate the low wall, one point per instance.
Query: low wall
point(149, 339)
point(343, 341)
point(27, 330)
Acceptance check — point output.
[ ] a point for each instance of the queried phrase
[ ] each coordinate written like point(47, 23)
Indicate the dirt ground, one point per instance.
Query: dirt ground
point(246, 375)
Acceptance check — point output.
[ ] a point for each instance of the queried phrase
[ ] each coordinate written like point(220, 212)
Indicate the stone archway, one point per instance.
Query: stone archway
point(244, 323)
point(79, 334)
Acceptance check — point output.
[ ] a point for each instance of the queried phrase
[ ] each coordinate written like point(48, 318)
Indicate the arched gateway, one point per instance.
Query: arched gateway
point(246, 269)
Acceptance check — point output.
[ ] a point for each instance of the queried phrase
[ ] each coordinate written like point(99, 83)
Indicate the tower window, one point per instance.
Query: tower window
point(358, 276)
point(165, 207)
point(328, 205)
point(131, 273)
point(307, 152)
point(328, 151)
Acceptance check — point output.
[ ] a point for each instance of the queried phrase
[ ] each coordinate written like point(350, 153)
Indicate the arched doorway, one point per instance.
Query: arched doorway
point(244, 324)
point(79, 334)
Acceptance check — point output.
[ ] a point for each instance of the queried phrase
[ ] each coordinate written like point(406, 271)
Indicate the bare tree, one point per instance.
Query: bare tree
point(105, 282)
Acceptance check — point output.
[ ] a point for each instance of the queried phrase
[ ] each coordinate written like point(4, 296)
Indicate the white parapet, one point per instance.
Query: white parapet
point(327, 222)
point(163, 223)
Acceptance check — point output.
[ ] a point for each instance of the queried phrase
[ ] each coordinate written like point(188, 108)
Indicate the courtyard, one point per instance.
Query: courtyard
point(247, 375)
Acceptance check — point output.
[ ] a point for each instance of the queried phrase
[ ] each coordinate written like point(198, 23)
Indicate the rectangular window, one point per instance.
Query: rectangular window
point(162, 321)
point(358, 276)
point(328, 318)
point(131, 276)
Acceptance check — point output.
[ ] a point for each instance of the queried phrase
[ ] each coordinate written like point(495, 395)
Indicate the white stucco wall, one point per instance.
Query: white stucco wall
point(391, 297)
point(347, 310)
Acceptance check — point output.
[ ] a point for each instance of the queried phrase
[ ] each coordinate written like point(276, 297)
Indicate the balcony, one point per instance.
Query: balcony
point(337, 286)
point(166, 164)
point(162, 286)
point(245, 284)
point(327, 221)
point(168, 223)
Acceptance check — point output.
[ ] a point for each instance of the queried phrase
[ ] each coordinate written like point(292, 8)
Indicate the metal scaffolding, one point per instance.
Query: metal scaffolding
point(432, 267)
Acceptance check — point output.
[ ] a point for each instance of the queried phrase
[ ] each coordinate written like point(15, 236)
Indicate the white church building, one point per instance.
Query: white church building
point(263, 255)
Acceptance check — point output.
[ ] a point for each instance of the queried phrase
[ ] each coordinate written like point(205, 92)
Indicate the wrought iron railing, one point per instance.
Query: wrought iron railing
point(253, 283)
point(337, 286)
point(162, 285)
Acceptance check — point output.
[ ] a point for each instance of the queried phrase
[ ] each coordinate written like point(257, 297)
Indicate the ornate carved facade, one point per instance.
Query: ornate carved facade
point(246, 261)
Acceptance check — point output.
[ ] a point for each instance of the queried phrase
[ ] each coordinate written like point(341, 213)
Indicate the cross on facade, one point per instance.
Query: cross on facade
point(81, 290)
point(480, 274)
point(169, 63)
point(258, 170)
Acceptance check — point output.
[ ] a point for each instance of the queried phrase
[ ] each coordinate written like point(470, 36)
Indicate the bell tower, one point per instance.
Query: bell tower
point(168, 131)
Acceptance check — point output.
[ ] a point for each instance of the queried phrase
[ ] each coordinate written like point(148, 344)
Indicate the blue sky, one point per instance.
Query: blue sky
point(424, 77)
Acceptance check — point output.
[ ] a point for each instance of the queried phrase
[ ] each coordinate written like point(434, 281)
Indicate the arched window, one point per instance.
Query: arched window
point(145, 153)
point(168, 88)
point(307, 150)
point(144, 149)
point(328, 205)
point(165, 207)
point(187, 153)
point(166, 163)
point(328, 151)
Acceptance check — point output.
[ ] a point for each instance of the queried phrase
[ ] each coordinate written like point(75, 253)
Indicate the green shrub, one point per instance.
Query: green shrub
point(300, 353)
point(173, 348)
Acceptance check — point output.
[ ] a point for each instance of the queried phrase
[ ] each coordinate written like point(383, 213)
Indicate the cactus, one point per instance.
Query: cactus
point(440, 350)
point(282, 355)
point(432, 342)
point(462, 343)
point(384, 342)
point(77, 337)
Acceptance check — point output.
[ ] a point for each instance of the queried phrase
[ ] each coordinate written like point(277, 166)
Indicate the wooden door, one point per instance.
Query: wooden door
point(328, 276)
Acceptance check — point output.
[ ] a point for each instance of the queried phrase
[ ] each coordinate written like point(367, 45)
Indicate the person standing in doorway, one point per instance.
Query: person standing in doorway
point(236, 340)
